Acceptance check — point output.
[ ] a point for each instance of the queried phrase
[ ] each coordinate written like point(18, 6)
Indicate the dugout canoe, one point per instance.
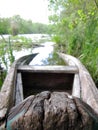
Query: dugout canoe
point(24, 80)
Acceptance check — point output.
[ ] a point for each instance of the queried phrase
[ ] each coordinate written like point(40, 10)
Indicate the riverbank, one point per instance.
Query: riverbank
point(24, 40)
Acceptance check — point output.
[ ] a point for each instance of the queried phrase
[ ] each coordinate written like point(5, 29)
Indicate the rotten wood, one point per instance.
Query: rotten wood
point(48, 111)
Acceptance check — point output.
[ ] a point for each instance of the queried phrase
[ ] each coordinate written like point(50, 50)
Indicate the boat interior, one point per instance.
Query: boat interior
point(34, 79)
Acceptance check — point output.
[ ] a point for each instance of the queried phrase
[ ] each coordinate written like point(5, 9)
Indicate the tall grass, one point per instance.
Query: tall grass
point(81, 41)
point(6, 57)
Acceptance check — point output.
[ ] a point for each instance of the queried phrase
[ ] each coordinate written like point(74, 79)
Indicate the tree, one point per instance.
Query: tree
point(4, 25)
point(76, 25)
point(17, 25)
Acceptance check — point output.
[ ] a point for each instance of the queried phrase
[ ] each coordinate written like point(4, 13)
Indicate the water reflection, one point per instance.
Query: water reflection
point(44, 53)
point(47, 55)
point(22, 52)
point(53, 59)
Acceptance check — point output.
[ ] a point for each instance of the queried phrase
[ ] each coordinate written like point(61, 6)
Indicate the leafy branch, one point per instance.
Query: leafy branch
point(96, 3)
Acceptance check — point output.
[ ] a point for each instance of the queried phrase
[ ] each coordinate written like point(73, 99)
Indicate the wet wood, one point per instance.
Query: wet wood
point(49, 111)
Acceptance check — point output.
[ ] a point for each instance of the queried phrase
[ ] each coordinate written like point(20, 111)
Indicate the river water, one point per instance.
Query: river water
point(44, 51)
point(46, 54)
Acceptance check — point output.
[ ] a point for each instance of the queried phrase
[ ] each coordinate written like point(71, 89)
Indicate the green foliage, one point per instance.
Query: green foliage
point(10, 52)
point(16, 25)
point(76, 26)
point(6, 53)
point(4, 25)
point(2, 54)
point(57, 39)
point(53, 59)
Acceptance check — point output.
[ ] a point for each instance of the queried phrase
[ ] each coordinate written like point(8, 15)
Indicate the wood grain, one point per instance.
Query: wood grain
point(48, 111)
point(88, 90)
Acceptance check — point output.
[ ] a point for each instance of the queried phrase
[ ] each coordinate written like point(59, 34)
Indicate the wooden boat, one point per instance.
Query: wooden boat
point(24, 80)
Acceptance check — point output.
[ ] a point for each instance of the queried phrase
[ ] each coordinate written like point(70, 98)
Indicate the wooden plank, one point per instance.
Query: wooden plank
point(19, 90)
point(46, 81)
point(50, 69)
point(89, 92)
point(7, 95)
point(76, 86)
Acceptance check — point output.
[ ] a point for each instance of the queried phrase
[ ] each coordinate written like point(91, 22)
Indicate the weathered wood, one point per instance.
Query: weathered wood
point(19, 90)
point(7, 93)
point(47, 78)
point(88, 90)
point(49, 111)
point(40, 81)
point(46, 69)
point(76, 90)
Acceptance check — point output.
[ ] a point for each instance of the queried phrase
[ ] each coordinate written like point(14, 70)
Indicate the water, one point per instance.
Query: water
point(43, 52)
point(46, 54)
point(33, 37)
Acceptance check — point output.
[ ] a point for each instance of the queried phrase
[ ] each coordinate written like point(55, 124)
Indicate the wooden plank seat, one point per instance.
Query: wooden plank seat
point(46, 69)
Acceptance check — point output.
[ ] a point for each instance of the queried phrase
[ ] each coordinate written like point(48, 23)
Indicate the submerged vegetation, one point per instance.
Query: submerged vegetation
point(75, 25)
